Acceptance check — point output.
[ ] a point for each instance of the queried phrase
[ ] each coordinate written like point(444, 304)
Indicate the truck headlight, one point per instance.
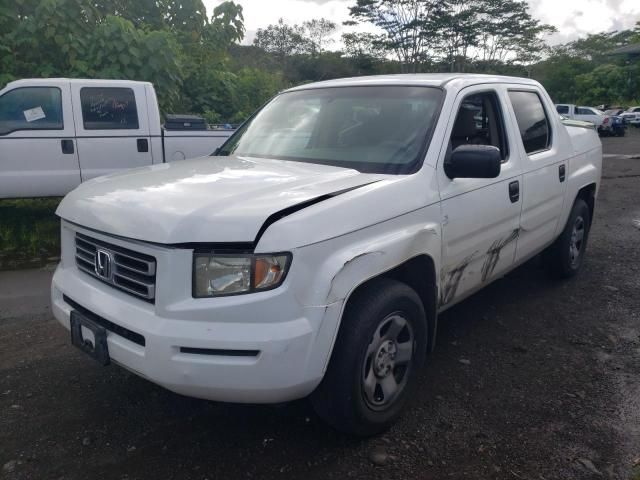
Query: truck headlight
point(217, 275)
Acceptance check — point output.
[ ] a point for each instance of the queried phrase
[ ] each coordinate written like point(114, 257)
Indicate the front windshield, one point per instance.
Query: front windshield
point(377, 129)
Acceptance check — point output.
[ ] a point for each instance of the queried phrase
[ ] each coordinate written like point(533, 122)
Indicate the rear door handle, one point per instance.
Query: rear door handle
point(143, 145)
point(562, 173)
point(67, 146)
point(514, 191)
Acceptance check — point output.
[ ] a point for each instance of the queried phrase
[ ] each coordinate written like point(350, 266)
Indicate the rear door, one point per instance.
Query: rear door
point(481, 216)
point(543, 153)
point(112, 127)
point(38, 154)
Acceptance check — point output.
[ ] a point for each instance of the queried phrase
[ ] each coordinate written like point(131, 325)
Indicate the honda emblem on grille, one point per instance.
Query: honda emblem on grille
point(103, 264)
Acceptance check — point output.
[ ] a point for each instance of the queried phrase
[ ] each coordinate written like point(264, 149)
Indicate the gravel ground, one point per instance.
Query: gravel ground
point(531, 379)
point(629, 145)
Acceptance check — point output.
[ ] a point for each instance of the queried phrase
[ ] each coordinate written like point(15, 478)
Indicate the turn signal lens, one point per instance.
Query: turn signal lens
point(269, 271)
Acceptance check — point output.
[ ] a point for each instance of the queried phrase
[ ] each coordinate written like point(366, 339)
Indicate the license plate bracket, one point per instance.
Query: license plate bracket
point(96, 349)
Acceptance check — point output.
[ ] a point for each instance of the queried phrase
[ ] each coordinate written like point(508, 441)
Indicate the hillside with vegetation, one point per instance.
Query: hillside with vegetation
point(198, 64)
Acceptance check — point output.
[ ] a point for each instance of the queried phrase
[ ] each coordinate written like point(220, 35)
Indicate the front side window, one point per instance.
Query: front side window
point(31, 108)
point(108, 108)
point(533, 123)
point(377, 129)
point(479, 122)
point(563, 109)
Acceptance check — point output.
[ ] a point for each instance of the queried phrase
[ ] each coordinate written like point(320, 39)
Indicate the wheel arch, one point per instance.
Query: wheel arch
point(419, 273)
point(588, 194)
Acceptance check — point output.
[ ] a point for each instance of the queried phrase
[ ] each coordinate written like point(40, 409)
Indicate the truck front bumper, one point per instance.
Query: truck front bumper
point(252, 361)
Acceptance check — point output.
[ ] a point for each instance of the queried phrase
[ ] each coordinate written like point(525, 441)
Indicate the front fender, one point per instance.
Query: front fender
point(336, 267)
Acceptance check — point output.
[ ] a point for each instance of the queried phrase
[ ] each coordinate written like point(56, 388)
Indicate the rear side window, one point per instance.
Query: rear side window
point(108, 108)
point(563, 109)
point(31, 108)
point(584, 111)
point(532, 120)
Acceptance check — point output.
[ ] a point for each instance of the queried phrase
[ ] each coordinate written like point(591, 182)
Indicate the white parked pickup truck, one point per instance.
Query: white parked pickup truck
point(58, 132)
point(314, 254)
point(602, 122)
point(632, 116)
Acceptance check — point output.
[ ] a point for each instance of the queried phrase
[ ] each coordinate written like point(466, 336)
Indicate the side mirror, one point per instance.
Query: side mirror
point(473, 161)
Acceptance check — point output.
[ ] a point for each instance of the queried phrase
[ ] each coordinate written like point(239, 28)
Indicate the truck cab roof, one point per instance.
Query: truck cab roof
point(440, 80)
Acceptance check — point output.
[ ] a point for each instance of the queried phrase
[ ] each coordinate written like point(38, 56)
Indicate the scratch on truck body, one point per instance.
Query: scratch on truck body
point(493, 254)
point(452, 280)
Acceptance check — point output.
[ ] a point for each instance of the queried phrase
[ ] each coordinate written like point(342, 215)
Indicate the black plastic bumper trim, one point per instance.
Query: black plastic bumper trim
point(103, 322)
point(220, 352)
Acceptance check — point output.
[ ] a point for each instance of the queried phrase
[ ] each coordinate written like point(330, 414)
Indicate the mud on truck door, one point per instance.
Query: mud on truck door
point(480, 216)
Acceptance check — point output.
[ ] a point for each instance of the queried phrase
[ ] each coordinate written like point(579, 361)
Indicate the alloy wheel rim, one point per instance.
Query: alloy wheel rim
point(388, 361)
point(576, 241)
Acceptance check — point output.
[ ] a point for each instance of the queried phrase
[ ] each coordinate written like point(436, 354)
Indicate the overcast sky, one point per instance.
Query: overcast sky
point(572, 18)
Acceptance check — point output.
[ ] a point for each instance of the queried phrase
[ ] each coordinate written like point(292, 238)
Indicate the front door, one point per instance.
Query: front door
point(112, 127)
point(38, 154)
point(480, 217)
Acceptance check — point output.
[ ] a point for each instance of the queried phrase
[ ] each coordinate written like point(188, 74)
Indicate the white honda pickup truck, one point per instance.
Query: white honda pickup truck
point(313, 255)
point(58, 132)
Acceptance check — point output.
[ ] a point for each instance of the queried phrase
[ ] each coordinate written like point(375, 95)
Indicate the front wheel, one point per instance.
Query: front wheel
point(564, 257)
point(380, 347)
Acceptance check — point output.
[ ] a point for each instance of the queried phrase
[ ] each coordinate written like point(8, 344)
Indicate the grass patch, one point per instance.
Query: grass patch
point(29, 232)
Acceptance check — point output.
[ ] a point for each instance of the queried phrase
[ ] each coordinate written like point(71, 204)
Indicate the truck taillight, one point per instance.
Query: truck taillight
point(606, 120)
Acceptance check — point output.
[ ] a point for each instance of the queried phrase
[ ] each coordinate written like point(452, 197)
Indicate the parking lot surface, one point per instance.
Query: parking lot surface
point(531, 379)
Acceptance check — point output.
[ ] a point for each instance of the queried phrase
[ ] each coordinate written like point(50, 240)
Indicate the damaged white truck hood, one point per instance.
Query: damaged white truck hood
point(210, 199)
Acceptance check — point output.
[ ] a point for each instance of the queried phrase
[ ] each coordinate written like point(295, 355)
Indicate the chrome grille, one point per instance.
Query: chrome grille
point(124, 269)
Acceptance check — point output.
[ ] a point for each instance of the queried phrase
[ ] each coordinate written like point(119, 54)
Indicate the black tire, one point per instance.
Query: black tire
point(342, 399)
point(561, 259)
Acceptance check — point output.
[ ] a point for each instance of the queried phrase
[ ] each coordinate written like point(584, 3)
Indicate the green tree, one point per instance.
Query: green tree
point(365, 50)
point(558, 74)
point(318, 33)
point(116, 49)
point(587, 70)
point(607, 84)
point(408, 27)
point(281, 39)
point(489, 32)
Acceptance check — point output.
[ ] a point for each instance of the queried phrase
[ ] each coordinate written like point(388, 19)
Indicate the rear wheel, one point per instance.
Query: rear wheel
point(564, 258)
point(381, 345)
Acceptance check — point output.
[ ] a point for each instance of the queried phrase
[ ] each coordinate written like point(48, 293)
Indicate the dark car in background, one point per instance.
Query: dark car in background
point(618, 123)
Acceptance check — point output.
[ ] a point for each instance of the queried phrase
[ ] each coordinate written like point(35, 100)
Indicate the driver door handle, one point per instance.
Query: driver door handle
point(67, 146)
point(514, 191)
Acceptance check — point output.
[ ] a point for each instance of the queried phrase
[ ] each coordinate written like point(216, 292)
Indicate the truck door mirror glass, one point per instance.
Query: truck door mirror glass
point(474, 161)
